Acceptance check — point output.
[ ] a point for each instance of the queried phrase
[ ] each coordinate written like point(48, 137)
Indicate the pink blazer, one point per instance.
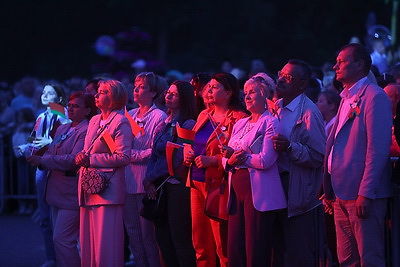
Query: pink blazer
point(113, 165)
point(360, 156)
point(266, 186)
point(62, 184)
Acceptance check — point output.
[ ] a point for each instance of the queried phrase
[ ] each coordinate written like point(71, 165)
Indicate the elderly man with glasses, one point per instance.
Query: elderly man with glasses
point(301, 145)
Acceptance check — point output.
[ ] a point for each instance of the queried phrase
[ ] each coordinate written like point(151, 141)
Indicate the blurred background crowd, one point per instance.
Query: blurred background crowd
point(71, 42)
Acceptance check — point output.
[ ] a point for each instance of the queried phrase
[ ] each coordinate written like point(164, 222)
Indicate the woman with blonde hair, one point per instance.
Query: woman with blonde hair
point(106, 151)
point(147, 88)
point(256, 194)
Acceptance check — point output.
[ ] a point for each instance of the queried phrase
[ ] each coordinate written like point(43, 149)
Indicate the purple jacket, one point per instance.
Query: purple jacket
point(360, 156)
point(62, 184)
point(266, 187)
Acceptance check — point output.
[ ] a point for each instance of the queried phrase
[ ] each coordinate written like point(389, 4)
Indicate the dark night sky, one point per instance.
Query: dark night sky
point(55, 39)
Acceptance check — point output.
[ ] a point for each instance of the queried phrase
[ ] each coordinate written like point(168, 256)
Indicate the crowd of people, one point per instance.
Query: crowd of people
point(270, 170)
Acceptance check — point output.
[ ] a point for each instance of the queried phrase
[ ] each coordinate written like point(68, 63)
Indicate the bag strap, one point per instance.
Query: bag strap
point(166, 179)
point(99, 134)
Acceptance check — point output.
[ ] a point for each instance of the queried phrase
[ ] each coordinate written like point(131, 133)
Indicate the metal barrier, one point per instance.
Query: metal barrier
point(17, 180)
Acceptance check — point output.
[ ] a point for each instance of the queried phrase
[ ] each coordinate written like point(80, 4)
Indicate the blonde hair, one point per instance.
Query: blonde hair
point(155, 82)
point(260, 83)
point(119, 93)
point(268, 81)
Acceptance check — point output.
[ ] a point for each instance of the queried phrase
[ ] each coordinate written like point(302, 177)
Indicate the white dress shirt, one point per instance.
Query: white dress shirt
point(349, 96)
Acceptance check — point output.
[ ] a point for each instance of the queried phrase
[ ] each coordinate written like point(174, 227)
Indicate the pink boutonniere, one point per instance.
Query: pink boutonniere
point(273, 109)
point(354, 109)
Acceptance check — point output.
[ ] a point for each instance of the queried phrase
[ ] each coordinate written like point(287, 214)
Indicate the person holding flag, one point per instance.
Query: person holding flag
point(174, 232)
point(62, 184)
point(107, 148)
point(256, 195)
point(212, 130)
point(42, 135)
point(147, 121)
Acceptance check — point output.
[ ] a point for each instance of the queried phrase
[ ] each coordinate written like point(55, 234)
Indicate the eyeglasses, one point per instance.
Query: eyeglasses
point(173, 94)
point(288, 77)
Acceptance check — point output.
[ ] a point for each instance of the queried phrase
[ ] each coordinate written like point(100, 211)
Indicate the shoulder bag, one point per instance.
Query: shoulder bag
point(94, 181)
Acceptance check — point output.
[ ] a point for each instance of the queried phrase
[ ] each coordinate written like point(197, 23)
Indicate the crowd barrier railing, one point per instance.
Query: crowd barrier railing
point(17, 179)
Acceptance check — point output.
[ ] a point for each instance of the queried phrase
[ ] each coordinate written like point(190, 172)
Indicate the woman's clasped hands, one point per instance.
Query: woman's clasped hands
point(200, 161)
point(82, 159)
point(235, 157)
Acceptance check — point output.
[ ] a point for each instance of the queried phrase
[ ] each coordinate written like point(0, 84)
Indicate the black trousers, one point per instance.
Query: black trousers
point(174, 233)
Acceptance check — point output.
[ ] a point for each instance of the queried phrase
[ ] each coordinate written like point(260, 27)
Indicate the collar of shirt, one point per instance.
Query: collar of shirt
point(288, 118)
point(292, 105)
point(134, 115)
point(352, 91)
point(47, 113)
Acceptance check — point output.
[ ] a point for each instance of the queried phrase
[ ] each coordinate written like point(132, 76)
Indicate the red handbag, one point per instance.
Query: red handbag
point(217, 199)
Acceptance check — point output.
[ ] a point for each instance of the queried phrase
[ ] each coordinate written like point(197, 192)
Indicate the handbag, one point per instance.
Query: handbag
point(155, 209)
point(217, 200)
point(93, 181)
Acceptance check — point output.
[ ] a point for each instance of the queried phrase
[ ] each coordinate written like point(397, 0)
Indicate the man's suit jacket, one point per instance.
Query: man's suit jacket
point(360, 156)
point(62, 184)
point(112, 164)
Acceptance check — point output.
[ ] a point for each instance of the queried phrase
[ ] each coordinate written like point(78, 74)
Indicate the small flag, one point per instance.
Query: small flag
point(136, 129)
point(218, 130)
point(354, 111)
point(184, 135)
point(108, 141)
point(169, 153)
point(57, 109)
point(37, 124)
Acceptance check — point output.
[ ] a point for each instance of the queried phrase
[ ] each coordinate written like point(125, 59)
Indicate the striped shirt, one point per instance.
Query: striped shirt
point(153, 124)
point(45, 123)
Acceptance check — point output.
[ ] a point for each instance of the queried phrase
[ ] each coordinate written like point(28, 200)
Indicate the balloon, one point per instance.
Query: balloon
point(105, 45)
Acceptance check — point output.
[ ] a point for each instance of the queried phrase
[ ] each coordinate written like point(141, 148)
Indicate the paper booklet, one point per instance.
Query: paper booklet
point(256, 146)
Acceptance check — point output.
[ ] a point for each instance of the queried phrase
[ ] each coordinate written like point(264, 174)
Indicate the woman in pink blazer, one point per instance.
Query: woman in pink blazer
point(101, 215)
point(62, 184)
point(255, 191)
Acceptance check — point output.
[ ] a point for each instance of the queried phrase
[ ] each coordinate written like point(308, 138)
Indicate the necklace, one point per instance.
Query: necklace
point(247, 128)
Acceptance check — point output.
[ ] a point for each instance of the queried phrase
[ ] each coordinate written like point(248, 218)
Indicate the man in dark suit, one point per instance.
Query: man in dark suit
point(357, 166)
